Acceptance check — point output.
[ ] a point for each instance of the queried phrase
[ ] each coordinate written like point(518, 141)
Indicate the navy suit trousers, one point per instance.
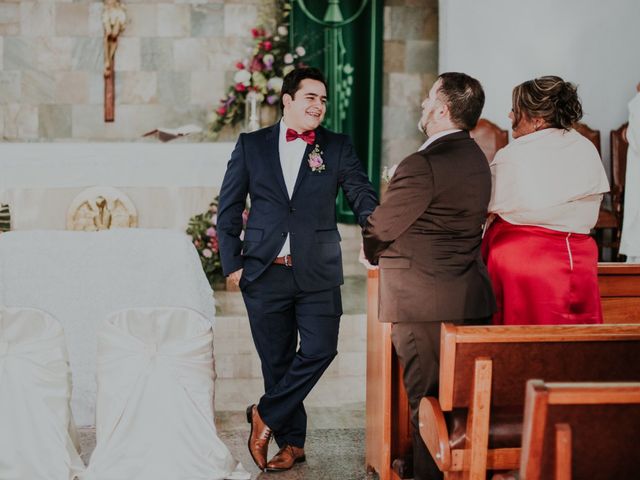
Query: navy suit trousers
point(280, 312)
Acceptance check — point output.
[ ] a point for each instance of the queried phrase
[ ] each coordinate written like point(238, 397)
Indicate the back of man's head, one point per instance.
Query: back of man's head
point(464, 97)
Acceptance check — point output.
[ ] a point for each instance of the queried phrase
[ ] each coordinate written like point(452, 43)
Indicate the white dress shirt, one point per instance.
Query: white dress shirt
point(436, 136)
point(291, 154)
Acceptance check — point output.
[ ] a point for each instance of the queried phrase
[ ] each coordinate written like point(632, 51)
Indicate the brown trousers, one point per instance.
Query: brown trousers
point(418, 347)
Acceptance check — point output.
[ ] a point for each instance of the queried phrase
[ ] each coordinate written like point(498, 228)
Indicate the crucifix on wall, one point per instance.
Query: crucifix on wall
point(114, 18)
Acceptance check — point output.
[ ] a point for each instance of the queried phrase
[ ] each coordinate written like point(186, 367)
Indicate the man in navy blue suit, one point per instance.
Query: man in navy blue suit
point(289, 263)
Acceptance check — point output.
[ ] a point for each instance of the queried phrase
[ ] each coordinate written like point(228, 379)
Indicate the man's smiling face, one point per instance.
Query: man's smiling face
point(306, 110)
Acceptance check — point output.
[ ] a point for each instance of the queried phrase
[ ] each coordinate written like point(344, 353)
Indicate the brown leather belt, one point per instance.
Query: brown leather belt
point(286, 261)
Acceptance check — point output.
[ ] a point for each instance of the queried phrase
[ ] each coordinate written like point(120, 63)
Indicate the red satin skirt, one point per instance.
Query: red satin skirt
point(542, 276)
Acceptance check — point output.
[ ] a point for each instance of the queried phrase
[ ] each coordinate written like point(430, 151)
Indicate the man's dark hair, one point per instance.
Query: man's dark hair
point(291, 82)
point(464, 98)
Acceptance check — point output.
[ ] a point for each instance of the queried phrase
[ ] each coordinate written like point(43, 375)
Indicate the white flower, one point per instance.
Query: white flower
point(242, 76)
point(207, 253)
point(288, 58)
point(387, 172)
point(275, 84)
point(301, 51)
point(282, 30)
point(287, 69)
point(268, 59)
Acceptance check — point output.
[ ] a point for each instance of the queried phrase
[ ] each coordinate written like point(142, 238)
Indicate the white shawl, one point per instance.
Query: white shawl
point(551, 178)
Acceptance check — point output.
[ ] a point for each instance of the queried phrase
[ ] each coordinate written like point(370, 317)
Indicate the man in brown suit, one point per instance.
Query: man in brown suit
point(425, 236)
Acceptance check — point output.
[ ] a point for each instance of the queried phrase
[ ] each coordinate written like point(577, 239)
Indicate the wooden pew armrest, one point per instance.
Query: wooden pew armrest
point(434, 433)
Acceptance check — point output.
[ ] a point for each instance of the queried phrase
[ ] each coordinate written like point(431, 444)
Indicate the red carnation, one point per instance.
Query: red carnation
point(240, 65)
point(267, 45)
point(255, 32)
point(240, 87)
point(221, 110)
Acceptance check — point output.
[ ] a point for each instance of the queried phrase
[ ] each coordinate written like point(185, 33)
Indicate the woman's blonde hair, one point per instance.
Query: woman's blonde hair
point(549, 98)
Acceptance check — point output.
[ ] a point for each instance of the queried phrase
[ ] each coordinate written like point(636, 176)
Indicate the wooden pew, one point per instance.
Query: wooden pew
point(388, 437)
point(483, 372)
point(388, 420)
point(620, 292)
point(581, 430)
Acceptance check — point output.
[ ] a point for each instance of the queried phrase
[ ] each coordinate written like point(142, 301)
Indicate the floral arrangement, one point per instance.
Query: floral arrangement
point(262, 72)
point(204, 234)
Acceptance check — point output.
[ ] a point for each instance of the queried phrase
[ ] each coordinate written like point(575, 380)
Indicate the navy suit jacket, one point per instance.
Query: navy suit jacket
point(309, 217)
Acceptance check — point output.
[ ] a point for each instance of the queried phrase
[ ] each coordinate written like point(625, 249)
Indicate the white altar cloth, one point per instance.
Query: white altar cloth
point(81, 277)
point(168, 183)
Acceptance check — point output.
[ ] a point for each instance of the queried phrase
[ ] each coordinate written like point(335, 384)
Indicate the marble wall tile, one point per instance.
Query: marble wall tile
point(54, 121)
point(38, 86)
point(20, 122)
point(72, 19)
point(9, 18)
point(422, 56)
point(405, 90)
point(1, 53)
point(399, 122)
point(19, 53)
point(95, 18)
point(206, 87)
point(131, 121)
point(71, 88)
point(37, 18)
point(174, 20)
point(239, 18)
point(87, 54)
point(393, 56)
point(127, 56)
point(207, 20)
point(53, 54)
point(10, 87)
point(190, 54)
point(156, 54)
point(3, 135)
point(95, 85)
point(136, 87)
point(142, 21)
point(174, 88)
point(404, 23)
point(395, 150)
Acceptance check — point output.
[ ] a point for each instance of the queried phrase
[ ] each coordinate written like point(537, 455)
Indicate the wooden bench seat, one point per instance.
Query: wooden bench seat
point(483, 372)
point(581, 431)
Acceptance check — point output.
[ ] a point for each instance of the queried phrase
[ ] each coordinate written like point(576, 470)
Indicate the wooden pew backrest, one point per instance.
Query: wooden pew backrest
point(581, 430)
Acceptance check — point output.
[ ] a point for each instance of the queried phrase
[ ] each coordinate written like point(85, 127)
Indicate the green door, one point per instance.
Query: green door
point(344, 39)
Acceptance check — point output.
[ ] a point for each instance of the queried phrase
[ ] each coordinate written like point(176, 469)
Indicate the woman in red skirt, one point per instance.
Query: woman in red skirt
point(547, 188)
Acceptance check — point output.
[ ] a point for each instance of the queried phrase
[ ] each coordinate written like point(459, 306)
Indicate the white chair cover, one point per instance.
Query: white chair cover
point(36, 427)
point(154, 412)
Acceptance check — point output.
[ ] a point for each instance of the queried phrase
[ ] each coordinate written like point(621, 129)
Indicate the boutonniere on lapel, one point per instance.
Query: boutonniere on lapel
point(316, 163)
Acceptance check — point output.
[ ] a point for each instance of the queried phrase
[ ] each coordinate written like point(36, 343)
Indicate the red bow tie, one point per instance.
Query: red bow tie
point(309, 136)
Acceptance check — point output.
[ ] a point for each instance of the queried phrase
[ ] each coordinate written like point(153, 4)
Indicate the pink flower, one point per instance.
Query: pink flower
point(207, 253)
point(315, 162)
point(267, 45)
point(221, 110)
point(211, 232)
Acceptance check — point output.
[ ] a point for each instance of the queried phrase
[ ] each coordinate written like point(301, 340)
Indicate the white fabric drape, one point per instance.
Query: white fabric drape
point(630, 241)
point(154, 412)
point(36, 427)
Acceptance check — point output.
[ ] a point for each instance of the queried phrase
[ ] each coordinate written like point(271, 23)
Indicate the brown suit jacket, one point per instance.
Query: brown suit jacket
point(426, 235)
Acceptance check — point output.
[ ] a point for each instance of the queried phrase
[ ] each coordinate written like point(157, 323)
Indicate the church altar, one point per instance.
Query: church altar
point(81, 277)
point(167, 183)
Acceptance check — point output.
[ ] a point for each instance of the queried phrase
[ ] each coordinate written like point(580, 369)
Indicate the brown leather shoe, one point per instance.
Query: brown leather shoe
point(258, 438)
point(286, 458)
